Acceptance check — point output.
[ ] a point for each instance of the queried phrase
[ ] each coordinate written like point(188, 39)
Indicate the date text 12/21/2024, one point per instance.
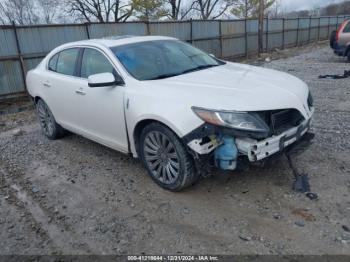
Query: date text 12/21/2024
point(173, 258)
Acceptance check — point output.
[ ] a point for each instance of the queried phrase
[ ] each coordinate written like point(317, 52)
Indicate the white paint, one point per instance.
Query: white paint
point(99, 113)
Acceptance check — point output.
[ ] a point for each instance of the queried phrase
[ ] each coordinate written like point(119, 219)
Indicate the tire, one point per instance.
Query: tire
point(166, 158)
point(332, 39)
point(47, 121)
point(348, 55)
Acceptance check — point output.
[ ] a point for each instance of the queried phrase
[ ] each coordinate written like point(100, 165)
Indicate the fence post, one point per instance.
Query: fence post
point(148, 31)
point(283, 28)
point(221, 39)
point(87, 30)
point(297, 43)
point(261, 29)
point(19, 53)
point(191, 31)
point(329, 21)
point(337, 21)
point(267, 35)
point(318, 29)
point(309, 36)
point(245, 37)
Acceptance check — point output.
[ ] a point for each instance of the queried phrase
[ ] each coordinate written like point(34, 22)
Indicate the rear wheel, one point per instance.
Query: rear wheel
point(47, 121)
point(166, 158)
point(332, 39)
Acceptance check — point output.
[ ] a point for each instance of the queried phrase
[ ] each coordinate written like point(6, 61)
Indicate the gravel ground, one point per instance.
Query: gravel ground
point(73, 196)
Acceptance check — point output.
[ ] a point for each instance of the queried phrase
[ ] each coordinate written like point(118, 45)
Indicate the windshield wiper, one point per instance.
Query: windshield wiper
point(164, 76)
point(201, 67)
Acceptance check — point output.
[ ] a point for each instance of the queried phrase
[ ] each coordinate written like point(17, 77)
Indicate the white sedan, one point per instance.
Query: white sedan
point(170, 104)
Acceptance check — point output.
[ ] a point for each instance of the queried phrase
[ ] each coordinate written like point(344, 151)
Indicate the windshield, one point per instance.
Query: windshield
point(152, 60)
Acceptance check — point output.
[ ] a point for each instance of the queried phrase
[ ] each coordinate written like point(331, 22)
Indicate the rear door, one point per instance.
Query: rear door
point(59, 86)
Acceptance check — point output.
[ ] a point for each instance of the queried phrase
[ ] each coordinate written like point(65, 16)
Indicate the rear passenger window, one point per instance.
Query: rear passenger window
point(53, 63)
point(347, 28)
point(94, 62)
point(66, 61)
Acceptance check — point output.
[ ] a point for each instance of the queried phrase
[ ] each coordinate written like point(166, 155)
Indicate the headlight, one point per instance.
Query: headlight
point(234, 119)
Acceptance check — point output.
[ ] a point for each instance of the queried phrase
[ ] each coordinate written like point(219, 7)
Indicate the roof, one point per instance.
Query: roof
point(122, 40)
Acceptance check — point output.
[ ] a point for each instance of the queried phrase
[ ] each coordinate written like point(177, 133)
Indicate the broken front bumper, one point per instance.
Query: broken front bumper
point(258, 150)
point(254, 149)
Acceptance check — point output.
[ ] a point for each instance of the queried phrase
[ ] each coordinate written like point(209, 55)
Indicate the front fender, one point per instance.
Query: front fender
point(176, 115)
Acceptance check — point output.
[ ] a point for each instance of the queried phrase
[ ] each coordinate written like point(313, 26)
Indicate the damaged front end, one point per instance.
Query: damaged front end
point(228, 137)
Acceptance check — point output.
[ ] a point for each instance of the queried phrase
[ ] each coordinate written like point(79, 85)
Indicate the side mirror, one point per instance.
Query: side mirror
point(104, 79)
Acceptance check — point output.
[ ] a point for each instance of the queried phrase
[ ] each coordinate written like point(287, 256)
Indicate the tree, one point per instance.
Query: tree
point(178, 10)
point(212, 9)
point(249, 8)
point(331, 9)
point(146, 10)
point(21, 12)
point(275, 10)
point(100, 10)
point(51, 10)
point(344, 8)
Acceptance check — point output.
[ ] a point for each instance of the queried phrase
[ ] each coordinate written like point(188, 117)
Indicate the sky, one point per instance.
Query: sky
point(294, 5)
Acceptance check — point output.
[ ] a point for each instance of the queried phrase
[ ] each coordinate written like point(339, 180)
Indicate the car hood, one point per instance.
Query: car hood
point(237, 87)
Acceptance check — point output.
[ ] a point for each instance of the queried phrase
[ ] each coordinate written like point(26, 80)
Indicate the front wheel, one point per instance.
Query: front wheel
point(166, 158)
point(47, 121)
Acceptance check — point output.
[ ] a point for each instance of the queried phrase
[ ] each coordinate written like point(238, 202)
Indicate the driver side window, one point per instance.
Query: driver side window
point(94, 62)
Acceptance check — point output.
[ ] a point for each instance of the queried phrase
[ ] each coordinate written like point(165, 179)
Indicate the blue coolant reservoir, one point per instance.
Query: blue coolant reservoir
point(226, 154)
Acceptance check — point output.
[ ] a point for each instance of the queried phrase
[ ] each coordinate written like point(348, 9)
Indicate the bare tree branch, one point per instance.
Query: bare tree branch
point(20, 11)
point(51, 10)
point(249, 8)
point(212, 9)
point(100, 10)
point(179, 9)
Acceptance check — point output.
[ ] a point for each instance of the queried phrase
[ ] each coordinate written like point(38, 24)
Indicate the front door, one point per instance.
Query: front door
point(100, 110)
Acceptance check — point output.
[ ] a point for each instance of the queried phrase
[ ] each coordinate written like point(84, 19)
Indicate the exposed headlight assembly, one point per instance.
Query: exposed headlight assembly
point(234, 119)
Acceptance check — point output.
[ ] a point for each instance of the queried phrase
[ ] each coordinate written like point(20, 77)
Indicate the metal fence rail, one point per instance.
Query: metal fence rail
point(23, 47)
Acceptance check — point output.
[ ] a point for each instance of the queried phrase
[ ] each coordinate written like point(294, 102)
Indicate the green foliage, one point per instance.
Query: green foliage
point(249, 8)
point(147, 10)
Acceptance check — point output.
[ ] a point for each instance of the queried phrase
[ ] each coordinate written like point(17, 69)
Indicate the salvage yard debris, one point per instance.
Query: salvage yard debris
point(304, 214)
point(346, 228)
point(301, 182)
point(17, 132)
point(345, 75)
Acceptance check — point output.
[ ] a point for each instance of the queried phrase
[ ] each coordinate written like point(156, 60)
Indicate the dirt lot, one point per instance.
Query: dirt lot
point(73, 196)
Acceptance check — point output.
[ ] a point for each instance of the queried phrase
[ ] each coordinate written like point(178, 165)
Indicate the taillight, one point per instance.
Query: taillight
point(339, 29)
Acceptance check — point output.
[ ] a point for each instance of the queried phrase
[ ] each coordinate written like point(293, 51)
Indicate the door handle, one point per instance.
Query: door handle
point(46, 85)
point(80, 92)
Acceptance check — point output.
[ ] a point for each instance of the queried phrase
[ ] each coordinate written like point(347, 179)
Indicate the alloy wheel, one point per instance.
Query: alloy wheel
point(161, 157)
point(45, 119)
